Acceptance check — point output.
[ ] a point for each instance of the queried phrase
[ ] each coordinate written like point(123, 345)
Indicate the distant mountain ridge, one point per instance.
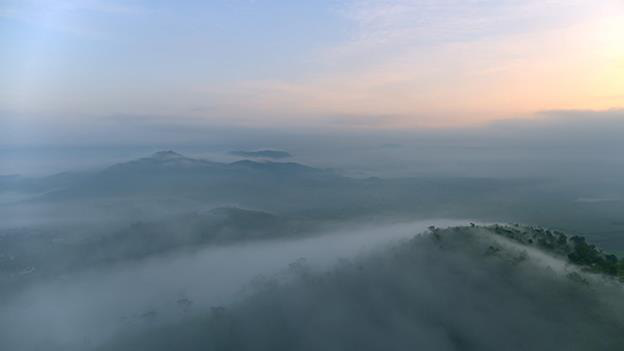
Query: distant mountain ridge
point(267, 153)
point(164, 159)
point(167, 155)
point(170, 162)
point(169, 172)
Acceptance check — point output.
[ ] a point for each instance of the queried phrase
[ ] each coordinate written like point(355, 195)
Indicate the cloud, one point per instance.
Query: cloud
point(416, 63)
point(456, 62)
point(462, 291)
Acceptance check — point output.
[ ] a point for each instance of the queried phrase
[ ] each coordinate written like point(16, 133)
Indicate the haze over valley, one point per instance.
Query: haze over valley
point(323, 175)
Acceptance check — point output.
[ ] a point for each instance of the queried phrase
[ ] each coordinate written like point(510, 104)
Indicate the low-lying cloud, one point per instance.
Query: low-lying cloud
point(459, 290)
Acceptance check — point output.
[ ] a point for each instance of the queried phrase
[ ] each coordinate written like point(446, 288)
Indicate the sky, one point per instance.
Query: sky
point(84, 65)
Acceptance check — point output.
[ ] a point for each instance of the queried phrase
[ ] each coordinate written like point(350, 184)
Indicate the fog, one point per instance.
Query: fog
point(241, 238)
point(575, 143)
point(87, 308)
point(337, 175)
point(451, 290)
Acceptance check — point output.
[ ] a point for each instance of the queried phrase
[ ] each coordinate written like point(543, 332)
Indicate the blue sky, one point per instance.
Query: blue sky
point(160, 43)
point(300, 64)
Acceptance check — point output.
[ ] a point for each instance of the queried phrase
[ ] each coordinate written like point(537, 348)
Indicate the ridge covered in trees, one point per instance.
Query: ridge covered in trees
point(574, 248)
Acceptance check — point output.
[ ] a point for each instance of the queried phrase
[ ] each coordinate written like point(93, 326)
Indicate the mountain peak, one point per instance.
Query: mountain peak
point(266, 153)
point(167, 155)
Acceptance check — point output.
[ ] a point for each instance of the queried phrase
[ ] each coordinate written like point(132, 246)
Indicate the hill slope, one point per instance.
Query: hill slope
point(467, 288)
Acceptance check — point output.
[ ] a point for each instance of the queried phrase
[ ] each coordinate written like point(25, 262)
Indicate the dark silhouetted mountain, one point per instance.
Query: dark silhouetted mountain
point(169, 161)
point(54, 252)
point(167, 155)
point(41, 184)
point(279, 187)
point(161, 161)
point(191, 231)
point(170, 174)
point(167, 179)
point(275, 154)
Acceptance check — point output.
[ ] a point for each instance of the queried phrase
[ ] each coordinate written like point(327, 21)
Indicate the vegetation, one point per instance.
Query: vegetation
point(453, 289)
point(574, 248)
